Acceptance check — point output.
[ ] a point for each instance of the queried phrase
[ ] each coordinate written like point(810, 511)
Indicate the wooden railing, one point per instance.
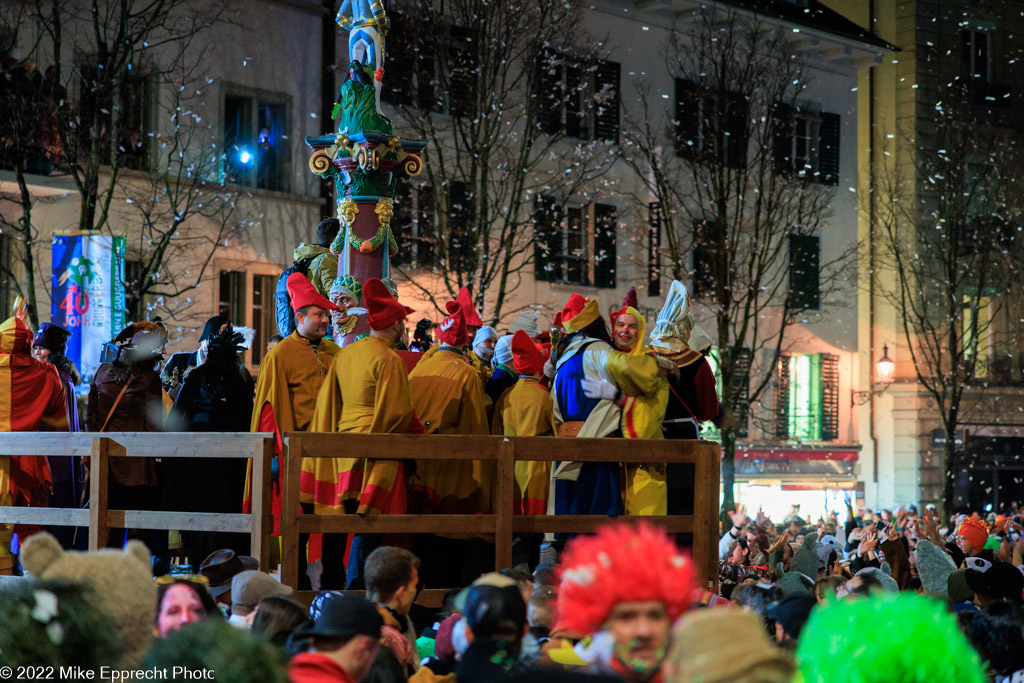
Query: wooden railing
point(99, 518)
point(702, 525)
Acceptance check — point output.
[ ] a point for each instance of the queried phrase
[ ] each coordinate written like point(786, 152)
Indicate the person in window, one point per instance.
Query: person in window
point(266, 161)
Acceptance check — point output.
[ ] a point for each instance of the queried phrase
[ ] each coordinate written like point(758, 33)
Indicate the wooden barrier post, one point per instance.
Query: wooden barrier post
point(98, 472)
point(291, 474)
point(705, 512)
point(262, 518)
point(504, 501)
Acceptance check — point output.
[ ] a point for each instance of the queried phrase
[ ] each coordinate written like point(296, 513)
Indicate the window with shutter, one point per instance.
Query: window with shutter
point(687, 118)
point(413, 225)
point(805, 397)
point(703, 265)
point(782, 137)
point(735, 132)
point(462, 66)
point(606, 95)
point(653, 249)
point(829, 397)
point(782, 398)
point(804, 272)
point(709, 130)
point(741, 390)
point(828, 149)
point(462, 236)
point(546, 266)
point(604, 245)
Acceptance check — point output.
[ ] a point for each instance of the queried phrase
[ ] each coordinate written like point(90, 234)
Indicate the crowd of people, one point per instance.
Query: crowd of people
point(795, 600)
point(624, 604)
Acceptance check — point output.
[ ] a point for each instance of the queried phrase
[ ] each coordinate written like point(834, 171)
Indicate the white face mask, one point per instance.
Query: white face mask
point(485, 353)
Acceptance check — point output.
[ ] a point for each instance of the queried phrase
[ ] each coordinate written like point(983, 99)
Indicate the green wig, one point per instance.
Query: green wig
point(235, 655)
point(920, 643)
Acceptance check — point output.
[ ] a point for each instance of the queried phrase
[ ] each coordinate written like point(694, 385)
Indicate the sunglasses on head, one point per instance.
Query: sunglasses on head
point(187, 578)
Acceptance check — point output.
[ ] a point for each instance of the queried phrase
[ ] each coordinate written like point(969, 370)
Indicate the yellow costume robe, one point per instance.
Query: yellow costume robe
point(646, 488)
point(289, 381)
point(366, 390)
point(526, 411)
point(449, 399)
point(482, 367)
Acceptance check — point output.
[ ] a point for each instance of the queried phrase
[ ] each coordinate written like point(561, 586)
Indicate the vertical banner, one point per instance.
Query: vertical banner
point(653, 249)
point(88, 294)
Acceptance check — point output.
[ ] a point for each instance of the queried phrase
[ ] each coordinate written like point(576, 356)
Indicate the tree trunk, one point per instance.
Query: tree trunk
point(728, 471)
point(27, 250)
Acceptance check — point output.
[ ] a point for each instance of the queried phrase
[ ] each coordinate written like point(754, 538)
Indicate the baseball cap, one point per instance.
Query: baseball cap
point(344, 616)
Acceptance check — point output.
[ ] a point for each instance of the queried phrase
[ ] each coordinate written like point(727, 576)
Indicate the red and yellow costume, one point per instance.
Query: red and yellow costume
point(32, 398)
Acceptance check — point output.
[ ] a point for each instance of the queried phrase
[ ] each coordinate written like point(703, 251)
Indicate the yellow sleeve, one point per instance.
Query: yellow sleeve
point(392, 409)
point(327, 414)
point(635, 375)
point(473, 418)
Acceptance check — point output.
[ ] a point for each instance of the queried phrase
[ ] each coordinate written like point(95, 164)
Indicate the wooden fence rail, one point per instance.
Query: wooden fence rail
point(502, 523)
point(702, 525)
point(99, 518)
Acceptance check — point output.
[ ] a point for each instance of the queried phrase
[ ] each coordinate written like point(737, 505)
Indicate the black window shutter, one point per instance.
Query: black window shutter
point(687, 118)
point(828, 149)
point(606, 115)
point(426, 77)
point(829, 397)
point(782, 136)
point(462, 62)
point(545, 232)
point(703, 266)
point(741, 390)
point(654, 249)
point(736, 137)
point(425, 255)
point(401, 225)
point(604, 245)
point(461, 240)
point(782, 398)
point(804, 275)
point(401, 63)
point(575, 112)
point(549, 92)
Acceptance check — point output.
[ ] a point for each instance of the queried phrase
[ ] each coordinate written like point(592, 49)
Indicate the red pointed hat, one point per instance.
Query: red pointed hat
point(527, 355)
point(384, 309)
point(579, 312)
point(629, 302)
point(303, 293)
point(452, 330)
point(472, 317)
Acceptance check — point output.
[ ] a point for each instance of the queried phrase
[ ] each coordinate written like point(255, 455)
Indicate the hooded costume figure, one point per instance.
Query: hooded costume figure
point(367, 390)
point(216, 396)
point(32, 398)
point(289, 380)
point(645, 492)
point(692, 394)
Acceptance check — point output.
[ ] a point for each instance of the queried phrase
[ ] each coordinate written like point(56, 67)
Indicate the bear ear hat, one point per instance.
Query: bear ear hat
point(139, 551)
point(39, 553)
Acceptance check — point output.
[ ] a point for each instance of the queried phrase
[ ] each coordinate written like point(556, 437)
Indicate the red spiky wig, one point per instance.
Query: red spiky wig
point(621, 563)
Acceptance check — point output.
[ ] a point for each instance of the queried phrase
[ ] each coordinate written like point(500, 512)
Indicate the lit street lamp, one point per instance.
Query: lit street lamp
point(885, 368)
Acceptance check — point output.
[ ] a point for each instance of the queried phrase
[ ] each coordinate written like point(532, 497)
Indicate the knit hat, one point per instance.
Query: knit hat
point(934, 566)
point(303, 293)
point(579, 312)
point(503, 351)
point(452, 330)
point(884, 576)
point(349, 285)
point(957, 588)
point(629, 302)
point(384, 309)
point(975, 531)
point(482, 335)
point(466, 302)
point(527, 355)
point(52, 337)
point(792, 611)
point(1000, 522)
point(528, 321)
point(670, 327)
point(704, 648)
point(621, 563)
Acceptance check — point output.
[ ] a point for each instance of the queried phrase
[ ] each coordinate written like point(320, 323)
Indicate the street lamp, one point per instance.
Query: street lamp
point(885, 368)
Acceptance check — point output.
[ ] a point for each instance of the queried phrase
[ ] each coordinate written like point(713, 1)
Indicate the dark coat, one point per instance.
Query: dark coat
point(140, 410)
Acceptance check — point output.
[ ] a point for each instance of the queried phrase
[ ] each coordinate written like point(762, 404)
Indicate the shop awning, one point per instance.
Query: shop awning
point(848, 454)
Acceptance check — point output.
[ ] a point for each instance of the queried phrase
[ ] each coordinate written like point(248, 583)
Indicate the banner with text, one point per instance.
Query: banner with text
point(88, 294)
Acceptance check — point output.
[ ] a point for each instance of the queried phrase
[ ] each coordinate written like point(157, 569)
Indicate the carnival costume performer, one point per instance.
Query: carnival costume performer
point(692, 394)
point(367, 390)
point(503, 374)
point(289, 380)
point(50, 346)
point(587, 408)
point(32, 398)
point(612, 583)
